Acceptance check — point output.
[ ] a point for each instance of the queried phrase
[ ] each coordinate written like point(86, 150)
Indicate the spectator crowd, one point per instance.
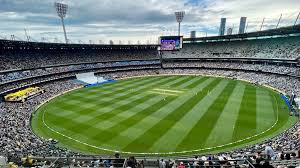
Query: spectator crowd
point(11, 76)
point(24, 59)
point(53, 72)
point(270, 48)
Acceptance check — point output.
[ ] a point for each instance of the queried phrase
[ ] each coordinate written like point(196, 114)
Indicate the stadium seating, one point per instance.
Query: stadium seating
point(24, 59)
point(11, 76)
point(54, 72)
point(270, 48)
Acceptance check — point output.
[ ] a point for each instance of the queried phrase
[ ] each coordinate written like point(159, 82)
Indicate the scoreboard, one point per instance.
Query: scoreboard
point(170, 43)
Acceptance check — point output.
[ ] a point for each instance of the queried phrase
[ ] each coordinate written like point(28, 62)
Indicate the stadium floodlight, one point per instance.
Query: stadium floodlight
point(179, 18)
point(262, 24)
point(297, 19)
point(279, 21)
point(61, 10)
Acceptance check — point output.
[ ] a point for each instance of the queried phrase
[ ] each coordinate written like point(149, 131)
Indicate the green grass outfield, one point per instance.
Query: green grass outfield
point(163, 115)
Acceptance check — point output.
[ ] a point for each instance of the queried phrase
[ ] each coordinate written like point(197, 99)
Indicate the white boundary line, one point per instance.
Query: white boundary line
point(162, 153)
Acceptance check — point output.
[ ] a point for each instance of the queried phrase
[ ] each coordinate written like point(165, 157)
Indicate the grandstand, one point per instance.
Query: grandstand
point(274, 48)
point(206, 71)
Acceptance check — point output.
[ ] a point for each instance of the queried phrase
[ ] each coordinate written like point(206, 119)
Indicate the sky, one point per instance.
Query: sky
point(130, 21)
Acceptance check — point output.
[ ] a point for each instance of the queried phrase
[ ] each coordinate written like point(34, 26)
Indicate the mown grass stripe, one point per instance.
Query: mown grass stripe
point(128, 135)
point(265, 117)
point(105, 87)
point(108, 134)
point(186, 79)
point(88, 126)
point(207, 122)
point(122, 82)
point(225, 125)
point(88, 97)
point(194, 84)
point(193, 80)
point(115, 130)
point(115, 112)
point(121, 99)
point(71, 124)
point(118, 83)
point(115, 97)
point(185, 124)
point(245, 125)
point(120, 117)
point(160, 128)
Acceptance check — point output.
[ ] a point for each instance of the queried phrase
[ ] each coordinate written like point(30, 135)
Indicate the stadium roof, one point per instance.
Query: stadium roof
point(266, 33)
point(10, 44)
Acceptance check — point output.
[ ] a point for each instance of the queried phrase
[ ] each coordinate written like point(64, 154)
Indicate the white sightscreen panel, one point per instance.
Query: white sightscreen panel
point(89, 78)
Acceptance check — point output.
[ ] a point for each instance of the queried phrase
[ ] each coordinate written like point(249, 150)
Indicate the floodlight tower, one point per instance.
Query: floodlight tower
point(179, 18)
point(61, 10)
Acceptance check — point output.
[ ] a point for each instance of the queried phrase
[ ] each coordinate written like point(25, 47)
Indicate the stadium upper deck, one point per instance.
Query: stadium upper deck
point(28, 58)
point(285, 48)
point(275, 44)
point(283, 31)
point(266, 45)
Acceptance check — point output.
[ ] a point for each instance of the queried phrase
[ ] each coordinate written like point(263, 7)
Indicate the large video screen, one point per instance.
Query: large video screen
point(170, 43)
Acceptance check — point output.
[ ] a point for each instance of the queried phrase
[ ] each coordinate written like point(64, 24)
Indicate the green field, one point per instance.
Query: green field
point(165, 115)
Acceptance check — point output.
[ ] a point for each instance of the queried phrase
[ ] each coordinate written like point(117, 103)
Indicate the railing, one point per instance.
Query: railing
point(80, 162)
point(139, 162)
point(286, 163)
point(214, 163)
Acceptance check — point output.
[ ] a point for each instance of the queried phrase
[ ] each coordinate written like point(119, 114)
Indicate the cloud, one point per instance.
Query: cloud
point(137, 19)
